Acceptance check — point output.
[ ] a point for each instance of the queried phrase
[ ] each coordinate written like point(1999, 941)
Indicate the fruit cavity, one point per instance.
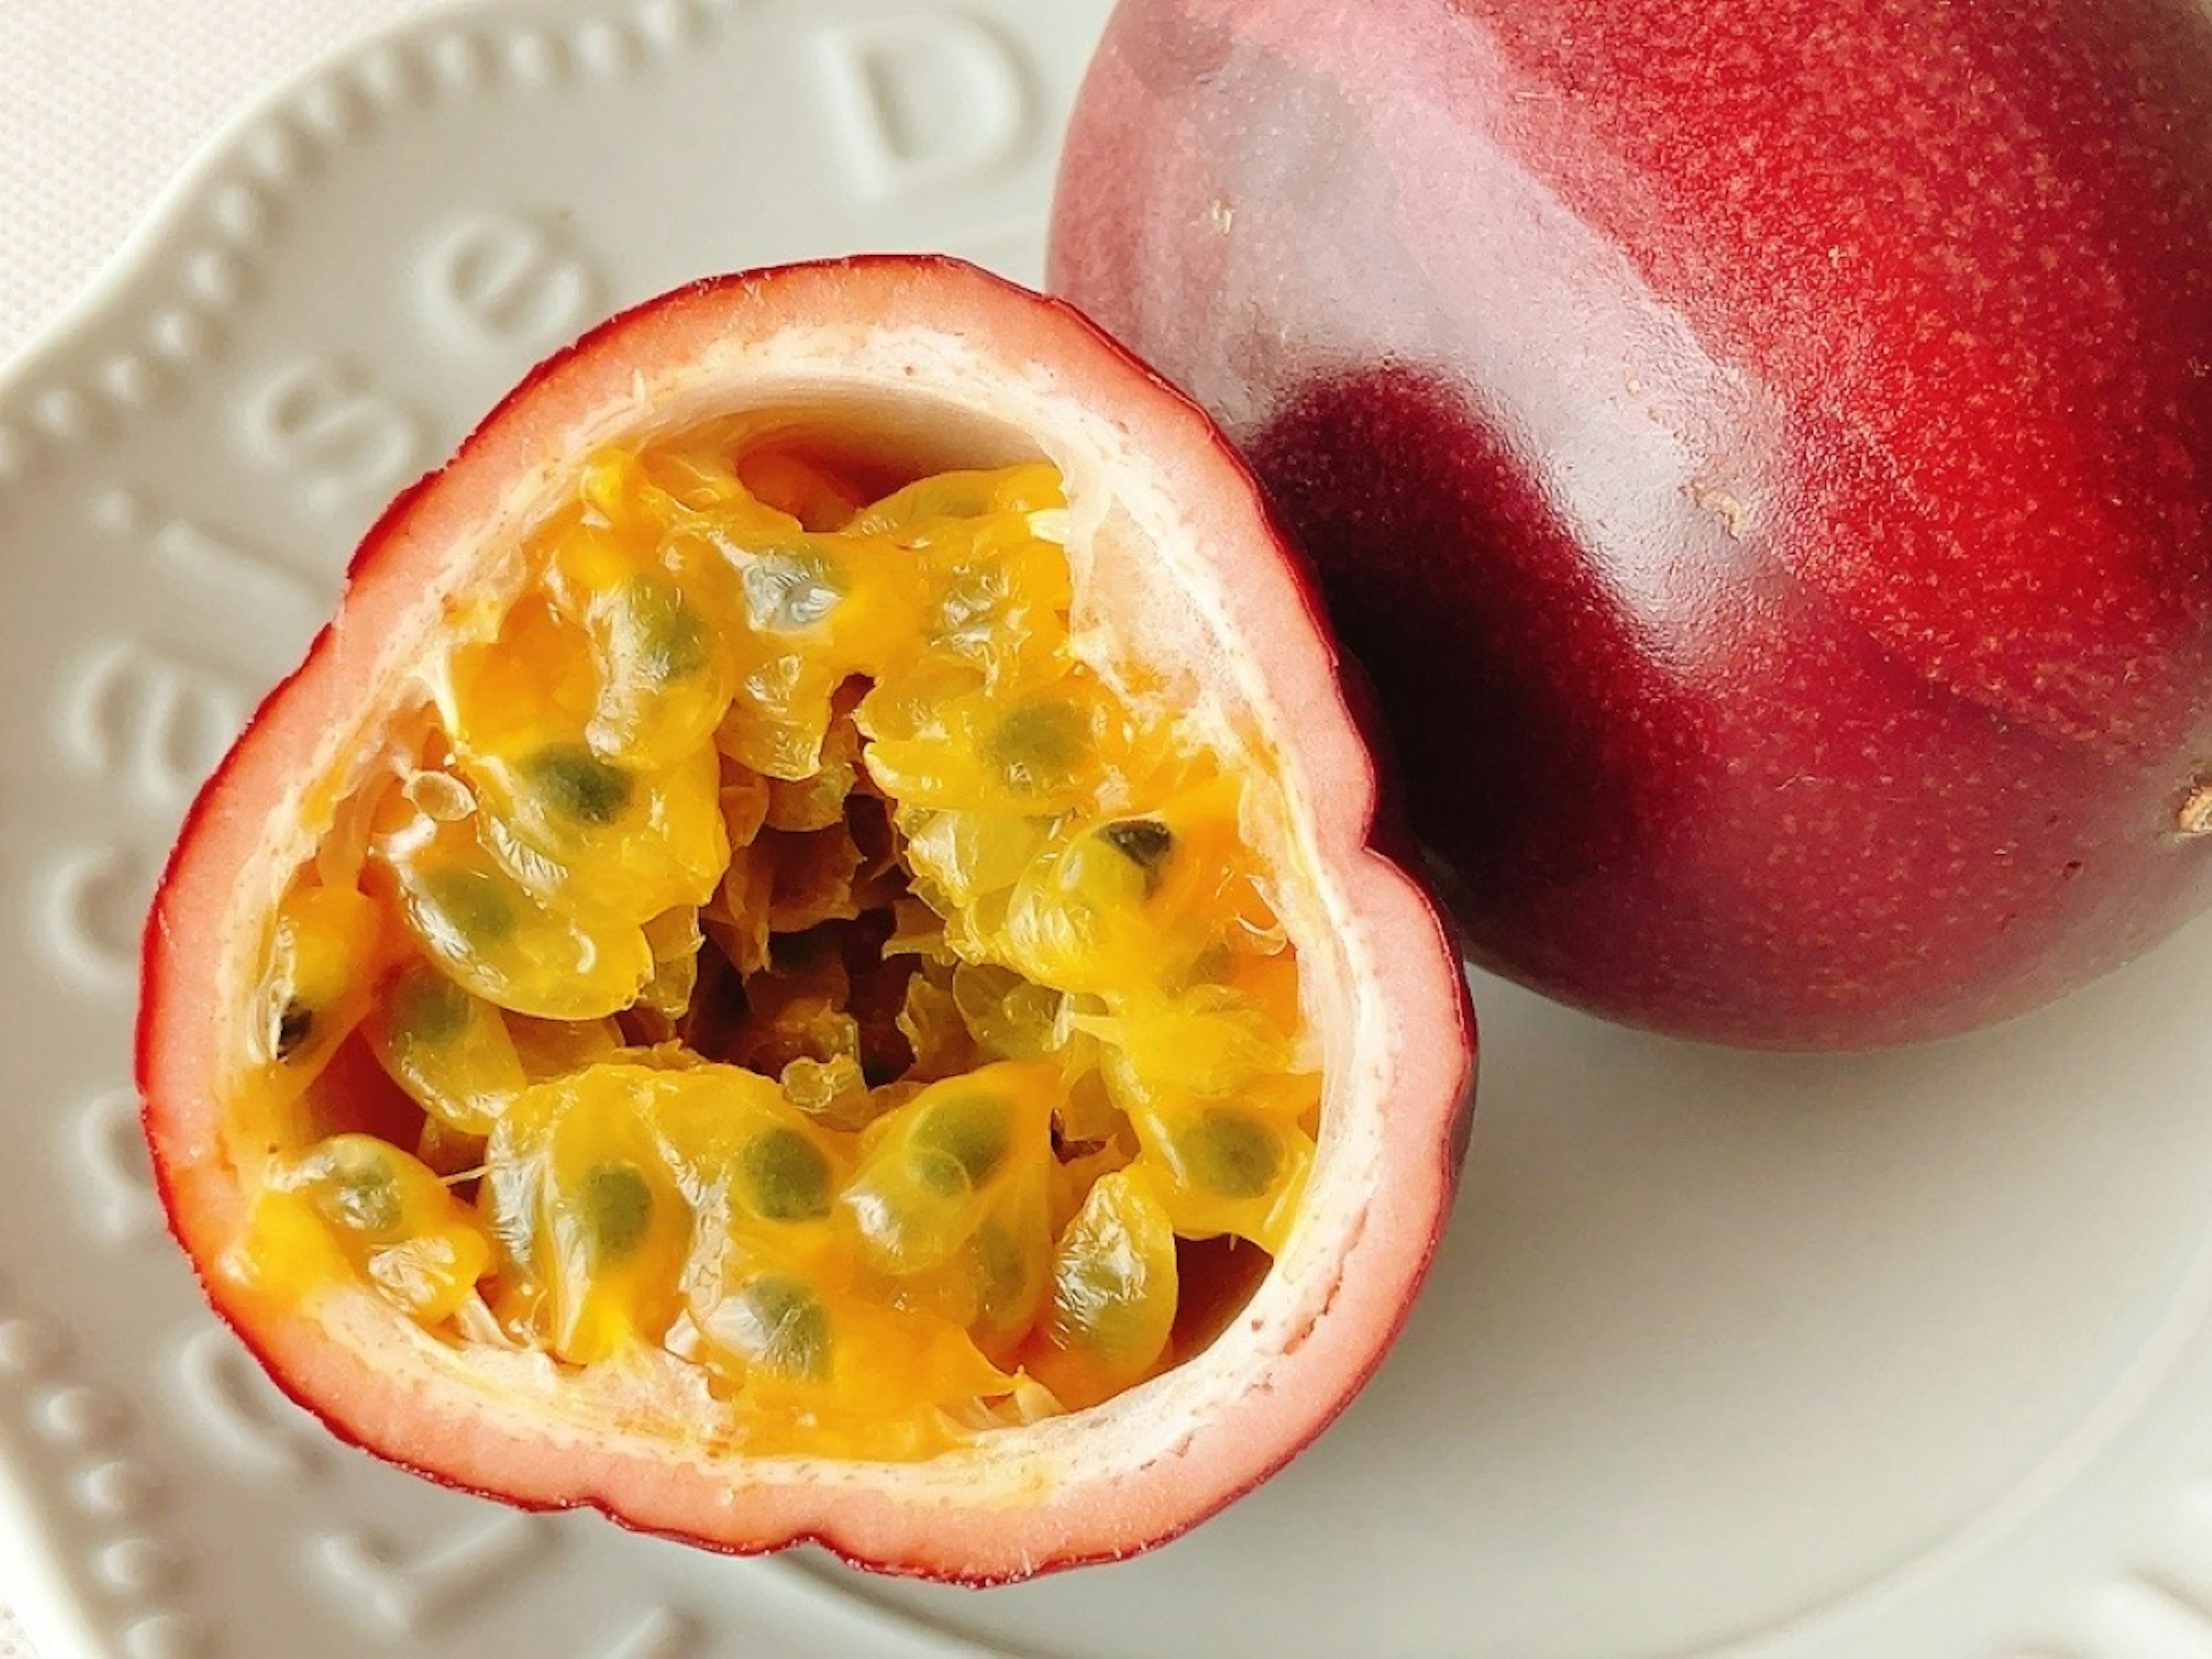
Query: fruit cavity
point(781, 948)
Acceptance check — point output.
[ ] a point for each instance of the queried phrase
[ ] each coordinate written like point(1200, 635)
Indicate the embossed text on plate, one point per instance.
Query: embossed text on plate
point(250, 1428)
point(925, 100)
point(147, 717)
point(501, 279)
point(264, 607)
point(106, 1163)
point(93, 899)
point(411, 1588)
point(343, 443)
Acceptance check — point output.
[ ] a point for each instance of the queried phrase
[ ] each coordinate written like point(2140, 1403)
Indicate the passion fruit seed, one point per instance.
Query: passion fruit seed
point(452, 1053)
point(322, 946)
point(936, 935)
point(777, 1323)
point(577, 784)
point(296, 1023)
point(661, 638)
point(1008, 1269)
point(615, 1204)
point(427, 1006)
point(362, 1196)
point(1145, 844)
point(1113, 1288)
point(1232, 1152)
point(971, 1133)
point(913, 1213)
point(388, 1216)
point(1036, 745)
point(463, 912)
point(787, 1176)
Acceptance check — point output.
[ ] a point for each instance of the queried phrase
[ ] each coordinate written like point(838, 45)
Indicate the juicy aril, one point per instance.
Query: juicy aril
point(1762, 452)
point(803, 960)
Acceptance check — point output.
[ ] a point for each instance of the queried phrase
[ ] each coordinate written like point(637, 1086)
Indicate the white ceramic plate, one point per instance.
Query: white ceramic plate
point(1894, 1357)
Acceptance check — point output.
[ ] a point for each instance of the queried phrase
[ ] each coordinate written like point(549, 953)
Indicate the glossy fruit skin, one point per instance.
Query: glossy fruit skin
point(974, 348)
point(1762, 453)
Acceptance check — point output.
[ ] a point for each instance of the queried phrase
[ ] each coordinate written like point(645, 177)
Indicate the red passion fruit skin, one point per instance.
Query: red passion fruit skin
point(1763, 452)
point(873, 334)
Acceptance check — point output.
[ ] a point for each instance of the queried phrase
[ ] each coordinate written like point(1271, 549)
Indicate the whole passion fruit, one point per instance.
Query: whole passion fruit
point(804, 958)
point(1762, 450)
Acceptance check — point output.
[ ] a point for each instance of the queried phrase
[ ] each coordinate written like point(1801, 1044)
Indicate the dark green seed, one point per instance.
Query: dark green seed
point(294, 1027)
point(940, 1172)
point(1234, 1154)
point(428, 1007)
point(787, 1176)
point(577, 784)
point(970, 1131)
point(779, 1323)
point(467, 907)
point(618, 1209)
point(667, 639)
point(1145, 844)
point(1037, 744)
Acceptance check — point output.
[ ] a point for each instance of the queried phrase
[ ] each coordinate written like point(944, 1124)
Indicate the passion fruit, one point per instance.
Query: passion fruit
point(805, 960)
point(1762, 450)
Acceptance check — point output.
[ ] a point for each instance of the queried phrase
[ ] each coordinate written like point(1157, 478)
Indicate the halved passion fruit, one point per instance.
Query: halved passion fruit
point(803, 960)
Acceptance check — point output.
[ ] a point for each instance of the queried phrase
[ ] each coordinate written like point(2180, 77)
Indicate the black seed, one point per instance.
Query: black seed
point(294, 1027)
point(665, 637)
point(578, 784)
point(1235, 1155)
point(779, 1323)
point(1037, 744)
point(787, 1176)
point(1146, 842)
point(970, 1131)
point(468, 907)
point(618, 1209)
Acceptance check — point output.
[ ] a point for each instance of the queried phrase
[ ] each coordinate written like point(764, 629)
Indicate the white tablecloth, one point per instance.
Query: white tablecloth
point(101, 103)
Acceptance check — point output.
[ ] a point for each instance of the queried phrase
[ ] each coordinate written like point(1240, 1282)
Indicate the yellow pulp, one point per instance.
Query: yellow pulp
point(781, 950)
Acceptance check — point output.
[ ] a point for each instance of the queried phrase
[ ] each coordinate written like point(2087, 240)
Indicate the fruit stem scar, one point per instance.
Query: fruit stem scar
point(2194, 818)
point(1723, 506)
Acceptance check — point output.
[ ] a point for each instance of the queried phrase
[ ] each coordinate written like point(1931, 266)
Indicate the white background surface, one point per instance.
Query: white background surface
point(99, 106)
point(101, 103)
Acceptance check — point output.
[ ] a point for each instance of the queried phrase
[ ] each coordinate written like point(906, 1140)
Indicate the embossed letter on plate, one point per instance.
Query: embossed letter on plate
point(345, 443)
point(926, 100)
point(493, 279)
